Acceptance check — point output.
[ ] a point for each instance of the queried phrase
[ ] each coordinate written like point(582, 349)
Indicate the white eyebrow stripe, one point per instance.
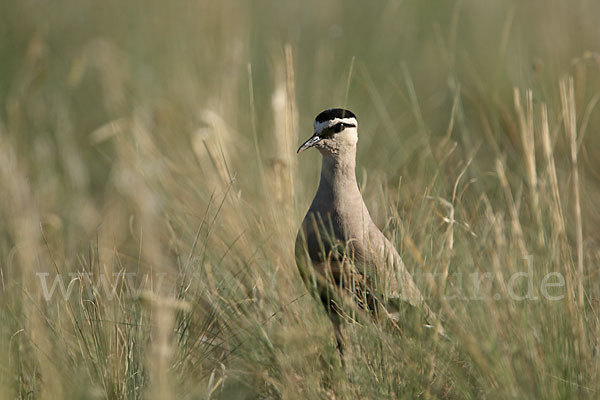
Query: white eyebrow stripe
point(320, 126)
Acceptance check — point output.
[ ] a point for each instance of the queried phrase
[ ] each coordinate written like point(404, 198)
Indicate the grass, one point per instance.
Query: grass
point(151, 196)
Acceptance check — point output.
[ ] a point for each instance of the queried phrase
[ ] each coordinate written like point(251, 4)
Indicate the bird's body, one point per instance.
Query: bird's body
point(340, 252)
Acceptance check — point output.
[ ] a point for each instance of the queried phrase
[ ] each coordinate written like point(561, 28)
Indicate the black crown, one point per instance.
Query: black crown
point(332, 113)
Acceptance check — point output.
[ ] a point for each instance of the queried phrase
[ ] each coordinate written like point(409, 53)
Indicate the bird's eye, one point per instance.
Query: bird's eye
point(337, 128)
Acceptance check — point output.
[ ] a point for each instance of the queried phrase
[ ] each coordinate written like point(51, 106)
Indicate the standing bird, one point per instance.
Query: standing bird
point(340, 253)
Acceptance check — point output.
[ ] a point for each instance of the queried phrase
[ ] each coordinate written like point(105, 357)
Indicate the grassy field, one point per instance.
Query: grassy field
point(150, 196)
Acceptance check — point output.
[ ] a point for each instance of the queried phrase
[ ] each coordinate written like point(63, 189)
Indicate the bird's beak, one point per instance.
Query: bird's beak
point(309, 143)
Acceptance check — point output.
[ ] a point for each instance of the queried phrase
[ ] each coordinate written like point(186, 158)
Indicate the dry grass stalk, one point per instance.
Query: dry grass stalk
point(557, 213)
point(285, 136)
point(291, 108)
point(514, 214)
point(528, 142)
point(567, 96)
point(280, 163)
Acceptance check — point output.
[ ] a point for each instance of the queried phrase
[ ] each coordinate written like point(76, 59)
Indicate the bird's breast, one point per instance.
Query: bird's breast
point(332, 234)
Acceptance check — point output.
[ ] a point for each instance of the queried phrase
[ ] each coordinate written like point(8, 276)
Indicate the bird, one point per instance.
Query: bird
point(342, 256)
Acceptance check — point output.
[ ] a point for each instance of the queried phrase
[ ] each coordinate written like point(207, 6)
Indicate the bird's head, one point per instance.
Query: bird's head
point(335, 132)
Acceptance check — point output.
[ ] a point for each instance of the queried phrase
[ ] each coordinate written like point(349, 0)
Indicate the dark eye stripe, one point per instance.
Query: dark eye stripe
point(340, 126)
point(337, 128)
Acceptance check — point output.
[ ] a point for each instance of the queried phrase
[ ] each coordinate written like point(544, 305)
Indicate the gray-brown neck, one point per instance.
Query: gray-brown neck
point(338, 186)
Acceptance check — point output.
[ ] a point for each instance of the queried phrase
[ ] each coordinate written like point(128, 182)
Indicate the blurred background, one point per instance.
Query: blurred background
point(71, 70)
point(152, 137)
